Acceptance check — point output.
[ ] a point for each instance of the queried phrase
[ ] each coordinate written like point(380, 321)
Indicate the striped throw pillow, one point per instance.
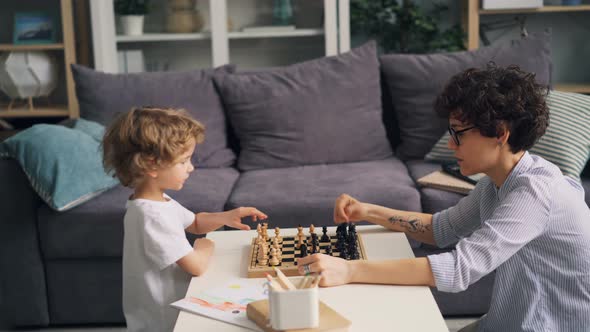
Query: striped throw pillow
point(566, 142)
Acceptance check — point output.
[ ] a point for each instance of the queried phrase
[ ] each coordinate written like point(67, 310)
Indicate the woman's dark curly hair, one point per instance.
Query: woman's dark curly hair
point(488, 98)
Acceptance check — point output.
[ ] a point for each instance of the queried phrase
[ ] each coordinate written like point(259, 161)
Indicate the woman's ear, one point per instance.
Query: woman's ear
point(503, 134)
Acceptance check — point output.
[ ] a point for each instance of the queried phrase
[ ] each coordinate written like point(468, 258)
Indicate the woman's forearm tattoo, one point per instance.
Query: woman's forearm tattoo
point(411, 223)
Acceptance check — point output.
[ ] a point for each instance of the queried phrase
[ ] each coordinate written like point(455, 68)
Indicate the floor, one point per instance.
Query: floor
point(454, 324)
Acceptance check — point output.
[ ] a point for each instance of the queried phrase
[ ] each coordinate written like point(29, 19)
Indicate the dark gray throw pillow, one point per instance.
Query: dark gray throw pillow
point(102, 96)
point(326, 110)
point(414, 82)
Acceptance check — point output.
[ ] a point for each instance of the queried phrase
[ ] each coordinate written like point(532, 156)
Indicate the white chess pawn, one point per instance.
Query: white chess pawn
point(279, 253)
point(278, 234)
point(276, 243)
point(273, 257)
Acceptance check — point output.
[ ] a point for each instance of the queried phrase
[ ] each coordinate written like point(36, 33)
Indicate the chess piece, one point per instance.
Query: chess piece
point(278, 235)
point(311, 229)
point(299, 230)
point(278, 250)
point(328, 250)
point(303, 250)
point(275, 242)
point(273, 257)
point(259, 229)
point(301, 239)
point(325, 237)
point(265, 231)
point(315, 248)
point(263, 254)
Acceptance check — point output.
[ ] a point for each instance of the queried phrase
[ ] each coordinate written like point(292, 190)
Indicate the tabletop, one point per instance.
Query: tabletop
point(369, 307)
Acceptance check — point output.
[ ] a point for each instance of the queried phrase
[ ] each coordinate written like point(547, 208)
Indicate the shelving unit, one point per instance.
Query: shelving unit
point(64, 49)
point(471, 19)
point(216, 46)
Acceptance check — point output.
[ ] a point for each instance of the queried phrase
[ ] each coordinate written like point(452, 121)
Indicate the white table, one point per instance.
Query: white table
point(369, 307)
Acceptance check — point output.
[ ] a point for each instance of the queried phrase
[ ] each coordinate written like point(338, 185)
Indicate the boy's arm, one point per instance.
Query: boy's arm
point(197, 261)
point(206, 222)
point(192, 228)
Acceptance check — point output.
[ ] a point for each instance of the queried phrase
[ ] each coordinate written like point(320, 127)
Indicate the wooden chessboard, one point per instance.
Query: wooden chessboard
point(289, 254)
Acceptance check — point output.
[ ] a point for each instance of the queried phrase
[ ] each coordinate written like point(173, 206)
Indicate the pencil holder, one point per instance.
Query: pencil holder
point(294, 309)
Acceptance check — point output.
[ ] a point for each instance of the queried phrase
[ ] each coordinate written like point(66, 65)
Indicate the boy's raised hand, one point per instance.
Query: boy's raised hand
point(234, 217)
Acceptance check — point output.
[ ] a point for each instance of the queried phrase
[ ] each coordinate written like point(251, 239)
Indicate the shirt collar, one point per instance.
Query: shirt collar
point(523, 165)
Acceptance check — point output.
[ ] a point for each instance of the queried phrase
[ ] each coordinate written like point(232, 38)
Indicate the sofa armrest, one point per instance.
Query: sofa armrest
point(23, 291)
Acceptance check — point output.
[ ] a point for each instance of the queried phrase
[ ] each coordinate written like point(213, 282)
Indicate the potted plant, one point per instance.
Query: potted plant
point(131, 15)
point(404, 26)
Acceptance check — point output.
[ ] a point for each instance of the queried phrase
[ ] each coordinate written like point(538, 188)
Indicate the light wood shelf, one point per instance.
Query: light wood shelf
point(544, 9)
point(573, 87)
point(67, 57)
point(471, 21)
point(36, 47)
point(55, 111)
point(152, 37)
point(276, 34)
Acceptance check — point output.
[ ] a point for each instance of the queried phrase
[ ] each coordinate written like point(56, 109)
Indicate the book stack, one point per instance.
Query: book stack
point(444, 181)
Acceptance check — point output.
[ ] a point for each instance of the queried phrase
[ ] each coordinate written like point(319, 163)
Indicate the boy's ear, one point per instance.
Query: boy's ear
point(153, 172)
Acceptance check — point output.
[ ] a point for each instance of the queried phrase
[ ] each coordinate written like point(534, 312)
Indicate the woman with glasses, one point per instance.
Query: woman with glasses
point(524, 220)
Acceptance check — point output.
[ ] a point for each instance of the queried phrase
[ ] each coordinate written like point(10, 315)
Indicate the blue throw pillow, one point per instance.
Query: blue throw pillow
point(63, 165)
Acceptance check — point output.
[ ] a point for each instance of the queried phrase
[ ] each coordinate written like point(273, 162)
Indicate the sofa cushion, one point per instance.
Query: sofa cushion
point(414, 81)
point(433, 200)
point(321, 111)
point(63, 165)
point(102, 96)
point(306, 194)
point(566, 142)
point(95, 229)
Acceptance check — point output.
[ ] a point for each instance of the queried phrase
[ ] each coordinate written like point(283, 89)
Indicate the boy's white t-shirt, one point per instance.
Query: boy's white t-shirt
point(154, 241)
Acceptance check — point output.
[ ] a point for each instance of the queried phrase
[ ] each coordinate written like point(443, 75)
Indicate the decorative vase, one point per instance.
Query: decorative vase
point(184, 21)
point(181, 4)
point(131, 25)
point(27, 74)
point(282, 12)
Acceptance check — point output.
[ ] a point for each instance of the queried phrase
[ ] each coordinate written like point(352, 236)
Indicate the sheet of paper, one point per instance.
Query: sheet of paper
point(227, 302)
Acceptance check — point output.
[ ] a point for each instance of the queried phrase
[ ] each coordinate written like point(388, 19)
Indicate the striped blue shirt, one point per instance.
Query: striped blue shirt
point(535, 232)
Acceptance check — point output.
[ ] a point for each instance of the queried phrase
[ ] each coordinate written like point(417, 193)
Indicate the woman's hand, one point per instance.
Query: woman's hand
point(349, 209)
point(335, 271)
point(233, 218)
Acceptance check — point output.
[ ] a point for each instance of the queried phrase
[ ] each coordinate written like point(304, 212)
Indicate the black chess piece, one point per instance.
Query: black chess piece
point(341, 233)
point(303, 250)
point(353, 252)
point(325, 237)
point(344, 252)
point(328, 250)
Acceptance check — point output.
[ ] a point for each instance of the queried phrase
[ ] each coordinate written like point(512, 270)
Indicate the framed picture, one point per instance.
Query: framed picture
point(34, 28)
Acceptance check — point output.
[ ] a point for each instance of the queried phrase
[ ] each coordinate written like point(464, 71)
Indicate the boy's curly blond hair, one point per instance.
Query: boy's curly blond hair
point(146, 138)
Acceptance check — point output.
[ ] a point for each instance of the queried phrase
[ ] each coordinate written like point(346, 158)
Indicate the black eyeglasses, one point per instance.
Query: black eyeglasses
point(455, 133)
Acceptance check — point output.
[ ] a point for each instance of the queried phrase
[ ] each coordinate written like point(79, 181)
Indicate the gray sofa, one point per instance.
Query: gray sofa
point(60, 268)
